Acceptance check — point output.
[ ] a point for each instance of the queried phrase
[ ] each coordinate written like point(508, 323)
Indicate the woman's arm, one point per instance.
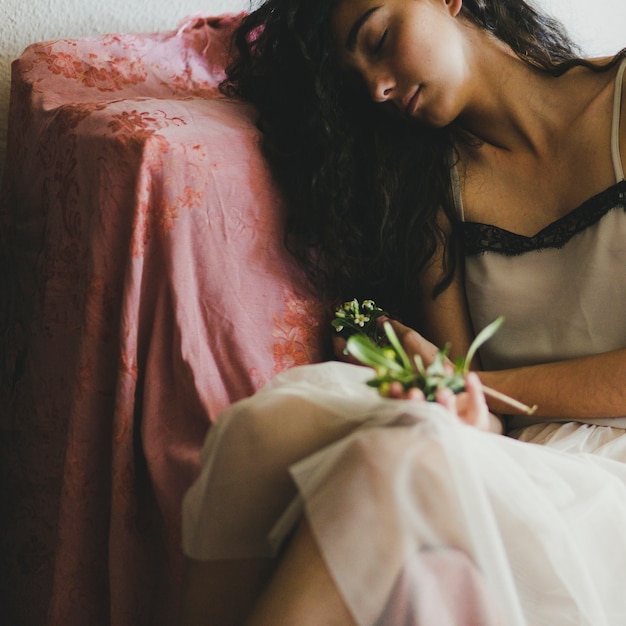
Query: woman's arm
point(586, 387)
point(445, 319)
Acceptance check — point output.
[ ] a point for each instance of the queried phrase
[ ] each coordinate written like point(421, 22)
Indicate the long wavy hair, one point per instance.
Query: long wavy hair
point(364, 189)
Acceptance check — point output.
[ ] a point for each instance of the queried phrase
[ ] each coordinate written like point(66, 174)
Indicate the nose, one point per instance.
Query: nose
point(381, 86)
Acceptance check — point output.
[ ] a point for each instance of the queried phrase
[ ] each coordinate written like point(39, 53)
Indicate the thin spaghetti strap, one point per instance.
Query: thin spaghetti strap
point(617, 105)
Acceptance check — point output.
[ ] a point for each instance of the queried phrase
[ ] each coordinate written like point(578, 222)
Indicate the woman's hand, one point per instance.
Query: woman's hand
point(470, 406)
point(412, 342)
point(339, 349)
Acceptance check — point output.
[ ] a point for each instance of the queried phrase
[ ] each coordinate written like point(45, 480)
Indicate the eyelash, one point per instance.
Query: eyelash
point(381, 42)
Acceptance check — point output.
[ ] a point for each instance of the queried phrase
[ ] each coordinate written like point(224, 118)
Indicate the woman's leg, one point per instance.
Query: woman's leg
point(222, 593)
point(301, 591)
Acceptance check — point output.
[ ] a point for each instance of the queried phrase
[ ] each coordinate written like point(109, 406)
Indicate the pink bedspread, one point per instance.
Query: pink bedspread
point(149, 289)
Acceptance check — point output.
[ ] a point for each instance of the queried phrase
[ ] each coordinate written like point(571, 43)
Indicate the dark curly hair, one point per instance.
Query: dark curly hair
point(363, 190)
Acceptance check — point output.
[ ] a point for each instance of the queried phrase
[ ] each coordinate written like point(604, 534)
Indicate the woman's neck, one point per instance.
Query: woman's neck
point(515, 107)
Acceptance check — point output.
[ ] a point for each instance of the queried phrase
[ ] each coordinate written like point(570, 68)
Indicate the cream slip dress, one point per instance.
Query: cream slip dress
point(404, 500)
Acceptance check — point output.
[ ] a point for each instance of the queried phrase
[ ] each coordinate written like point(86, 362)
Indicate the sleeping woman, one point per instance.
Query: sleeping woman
point(456, 160)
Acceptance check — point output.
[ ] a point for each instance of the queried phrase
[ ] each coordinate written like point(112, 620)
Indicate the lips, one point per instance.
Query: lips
point(409, 104)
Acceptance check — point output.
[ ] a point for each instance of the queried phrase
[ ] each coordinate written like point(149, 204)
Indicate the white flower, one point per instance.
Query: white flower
point(352, 306)
point(361, 319)
point(338, 328)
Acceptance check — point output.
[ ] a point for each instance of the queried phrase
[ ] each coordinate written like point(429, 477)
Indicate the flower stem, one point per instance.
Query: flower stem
point(515, 404)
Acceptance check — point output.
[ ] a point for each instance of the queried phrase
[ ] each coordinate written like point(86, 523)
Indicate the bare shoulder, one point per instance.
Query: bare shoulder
point(620, 75)
point(599, 110)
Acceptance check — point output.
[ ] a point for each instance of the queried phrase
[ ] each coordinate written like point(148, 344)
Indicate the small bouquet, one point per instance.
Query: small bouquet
point(354, 318)
point(383, 352)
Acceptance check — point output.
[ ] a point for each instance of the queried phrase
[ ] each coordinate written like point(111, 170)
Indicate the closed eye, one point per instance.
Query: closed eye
point(381, 42)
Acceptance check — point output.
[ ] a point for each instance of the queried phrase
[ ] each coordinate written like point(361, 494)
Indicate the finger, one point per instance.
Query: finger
point(465, 411)
point(396, 390)
point(415, 394)
point(400, 329)
point(476, 409)
point(414, 343)
point(446, 398)
point(340, 352)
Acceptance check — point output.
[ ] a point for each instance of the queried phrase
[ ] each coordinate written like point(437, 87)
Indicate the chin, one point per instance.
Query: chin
point(436, 119)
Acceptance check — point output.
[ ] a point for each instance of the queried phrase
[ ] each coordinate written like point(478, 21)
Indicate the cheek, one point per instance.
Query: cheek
point(418, 58)
point(411, 64)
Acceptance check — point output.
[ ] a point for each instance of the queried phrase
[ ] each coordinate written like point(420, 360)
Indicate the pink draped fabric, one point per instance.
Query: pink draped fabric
point(148, 289)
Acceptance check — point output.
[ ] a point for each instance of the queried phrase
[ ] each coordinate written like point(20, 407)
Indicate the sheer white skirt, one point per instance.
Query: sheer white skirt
point(419, 518)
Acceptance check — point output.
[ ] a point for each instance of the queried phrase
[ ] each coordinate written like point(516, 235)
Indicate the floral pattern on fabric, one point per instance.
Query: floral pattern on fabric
point(140, 228)
point(297, 331)
point(115, 75)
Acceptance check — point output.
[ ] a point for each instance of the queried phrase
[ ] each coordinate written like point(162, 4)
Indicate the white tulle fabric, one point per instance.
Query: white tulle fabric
point(390, 486)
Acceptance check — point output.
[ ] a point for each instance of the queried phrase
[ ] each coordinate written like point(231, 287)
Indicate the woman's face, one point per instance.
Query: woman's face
point(408, 52)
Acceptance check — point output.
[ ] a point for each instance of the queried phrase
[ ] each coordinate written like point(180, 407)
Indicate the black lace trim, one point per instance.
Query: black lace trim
point(480, 238)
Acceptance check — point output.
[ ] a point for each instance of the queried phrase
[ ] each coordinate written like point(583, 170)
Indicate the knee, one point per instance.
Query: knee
point(281, 428)
point(394, 450)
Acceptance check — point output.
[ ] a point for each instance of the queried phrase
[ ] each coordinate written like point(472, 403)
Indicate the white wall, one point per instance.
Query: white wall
point(600, 25)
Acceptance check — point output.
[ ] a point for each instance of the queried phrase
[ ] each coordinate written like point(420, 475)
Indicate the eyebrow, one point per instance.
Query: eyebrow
point(356, 27)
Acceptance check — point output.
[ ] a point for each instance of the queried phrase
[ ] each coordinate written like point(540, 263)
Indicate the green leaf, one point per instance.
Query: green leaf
point(419, 364)
point(484, 335)
point(396, 345)
point(383, 351)
point(437, 367)
point(366, 351)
